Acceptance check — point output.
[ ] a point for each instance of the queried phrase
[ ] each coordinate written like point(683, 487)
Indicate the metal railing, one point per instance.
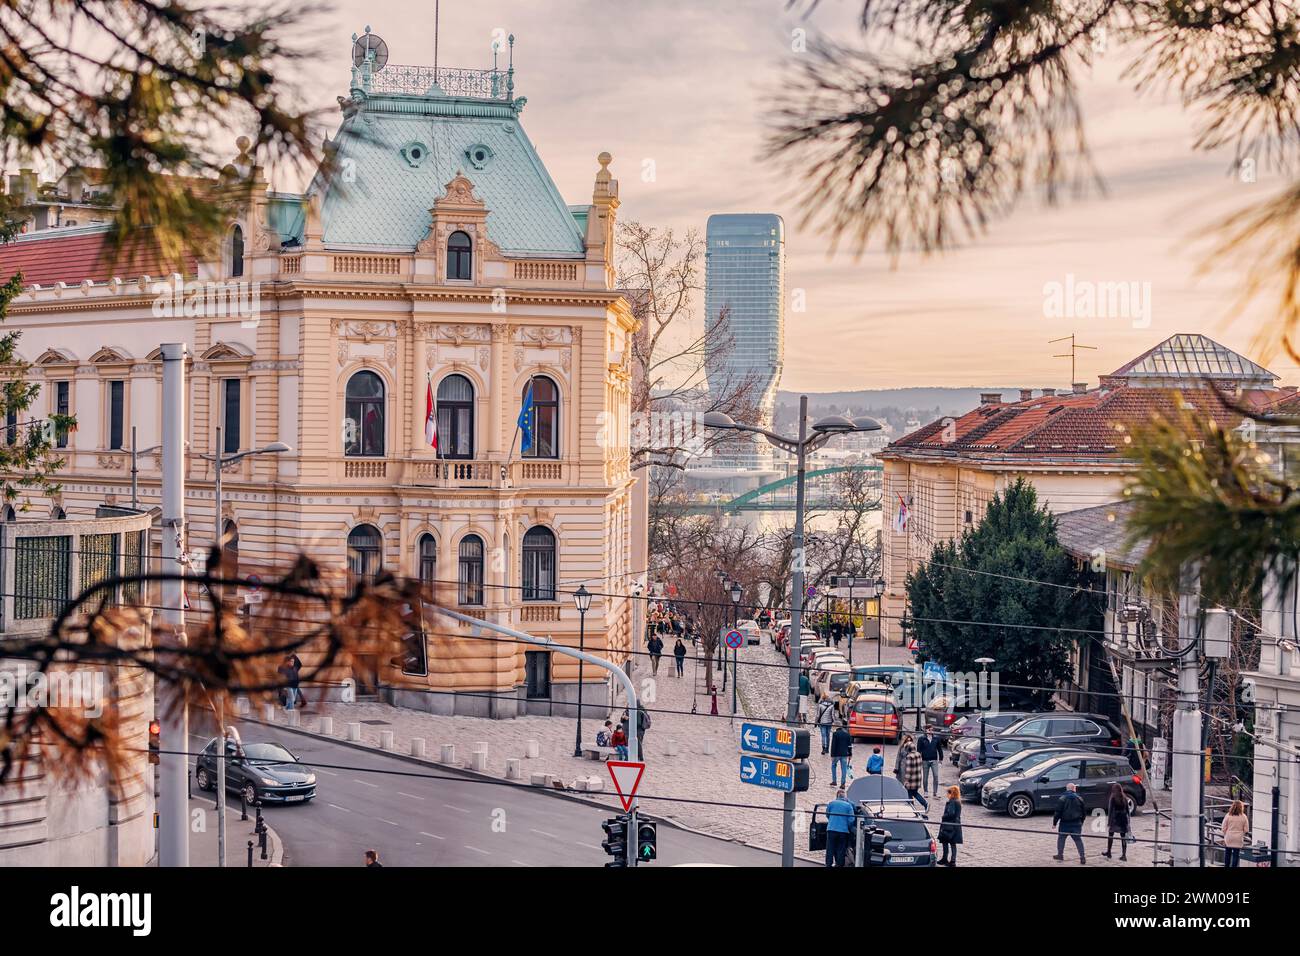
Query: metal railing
point(419, 80)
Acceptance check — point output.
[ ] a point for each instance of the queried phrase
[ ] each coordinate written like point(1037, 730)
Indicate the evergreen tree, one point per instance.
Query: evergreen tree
point(1008, 591)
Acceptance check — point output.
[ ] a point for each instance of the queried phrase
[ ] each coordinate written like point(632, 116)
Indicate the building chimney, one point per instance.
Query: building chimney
point(1048, 392)
point(1026, 394)
point(1080, 388)
point(990, 398)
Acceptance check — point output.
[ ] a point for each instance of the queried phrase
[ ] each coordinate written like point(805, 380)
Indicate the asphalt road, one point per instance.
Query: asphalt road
point(416, 821)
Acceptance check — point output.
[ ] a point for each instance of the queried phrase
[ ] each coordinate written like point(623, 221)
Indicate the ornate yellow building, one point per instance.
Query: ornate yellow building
point(437, 256)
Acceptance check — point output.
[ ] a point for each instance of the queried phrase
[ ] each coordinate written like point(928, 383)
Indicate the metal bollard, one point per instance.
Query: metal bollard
point(261, 837)
point(260, 825)
point(250, 852)
point(243, 807)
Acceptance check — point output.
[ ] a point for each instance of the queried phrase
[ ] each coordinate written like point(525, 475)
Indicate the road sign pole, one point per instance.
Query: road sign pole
point(796, 623)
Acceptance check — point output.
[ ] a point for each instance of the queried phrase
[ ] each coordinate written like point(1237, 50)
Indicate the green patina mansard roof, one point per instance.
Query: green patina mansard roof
point(381, 195)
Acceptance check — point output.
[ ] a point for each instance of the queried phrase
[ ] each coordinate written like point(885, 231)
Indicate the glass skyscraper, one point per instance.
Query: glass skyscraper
point(745, 279)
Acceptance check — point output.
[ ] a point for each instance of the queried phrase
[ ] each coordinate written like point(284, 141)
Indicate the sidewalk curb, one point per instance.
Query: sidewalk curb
point(570, 795)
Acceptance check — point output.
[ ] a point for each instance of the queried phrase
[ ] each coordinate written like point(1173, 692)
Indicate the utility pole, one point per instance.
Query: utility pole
point(1186, 832)
point(173, 772)
point(796, 623)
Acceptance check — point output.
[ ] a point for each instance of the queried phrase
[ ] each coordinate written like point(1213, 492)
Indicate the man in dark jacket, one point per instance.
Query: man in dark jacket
point(930, 746)
point(841, 751)
point(1068, 818)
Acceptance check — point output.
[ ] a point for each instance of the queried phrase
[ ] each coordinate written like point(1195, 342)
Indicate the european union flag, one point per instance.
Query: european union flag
point(525, 421)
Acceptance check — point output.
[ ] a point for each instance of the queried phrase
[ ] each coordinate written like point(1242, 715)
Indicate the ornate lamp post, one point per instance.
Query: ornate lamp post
point(582, 601)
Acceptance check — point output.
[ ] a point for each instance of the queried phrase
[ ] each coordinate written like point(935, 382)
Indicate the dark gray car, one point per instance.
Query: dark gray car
point(1024, 794)
point(262, 772)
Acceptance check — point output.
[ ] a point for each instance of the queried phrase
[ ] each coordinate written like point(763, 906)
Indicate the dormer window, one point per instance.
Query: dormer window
point(460, 256)
point(237, 252)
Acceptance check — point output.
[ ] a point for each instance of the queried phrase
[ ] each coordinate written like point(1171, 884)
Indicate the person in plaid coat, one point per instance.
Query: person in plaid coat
point(913, 774)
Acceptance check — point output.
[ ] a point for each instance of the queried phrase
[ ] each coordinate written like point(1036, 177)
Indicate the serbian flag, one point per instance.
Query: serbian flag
point(900, 519)
point(430, 416)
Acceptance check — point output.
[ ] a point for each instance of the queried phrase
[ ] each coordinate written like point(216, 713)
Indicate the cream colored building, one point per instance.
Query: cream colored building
point(439, 255)
point(944, 475)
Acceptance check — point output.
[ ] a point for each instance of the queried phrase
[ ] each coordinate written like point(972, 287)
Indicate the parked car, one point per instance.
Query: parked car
point(968, 726)
point(885, 673)
point(873, 715)
point(910, 842)
point(855, 687)
point(806, 652)
point(824, 655)
point(807, 641)
point(751, 631)
point(265, 772)
point(1024, 794)
point(972, 781)
point(779, 629)
point(996, 749)
point(829, 681)
point(1093, 731)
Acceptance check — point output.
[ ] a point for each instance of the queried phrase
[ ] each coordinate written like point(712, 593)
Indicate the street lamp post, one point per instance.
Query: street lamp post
point(582, 600)
point(880, 617)
point(220, 461)
point(736, 593)
point(984, 663)
point(823, 431)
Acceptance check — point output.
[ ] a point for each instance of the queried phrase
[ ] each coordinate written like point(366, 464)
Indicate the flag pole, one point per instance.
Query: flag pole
point(511, 454)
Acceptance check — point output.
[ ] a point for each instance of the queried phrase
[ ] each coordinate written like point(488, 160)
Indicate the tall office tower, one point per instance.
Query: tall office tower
point(745, 279)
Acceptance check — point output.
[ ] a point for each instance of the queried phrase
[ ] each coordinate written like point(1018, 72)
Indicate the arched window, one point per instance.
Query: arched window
point(539, 565)
point(365, 552)
point(237, 251)
point(460, 256)
point(57, 513)
point(455, 417)
point(428, 555)
point(469, 572)
point(363, 432)
point(8, 514)
point(546, 418)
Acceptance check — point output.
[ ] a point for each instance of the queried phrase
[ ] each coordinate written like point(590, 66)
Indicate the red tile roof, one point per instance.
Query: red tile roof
point(1075, 425)
point(72, 255)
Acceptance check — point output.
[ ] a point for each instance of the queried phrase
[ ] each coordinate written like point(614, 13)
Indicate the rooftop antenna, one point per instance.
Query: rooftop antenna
point(1074, 349)
point(437, 10)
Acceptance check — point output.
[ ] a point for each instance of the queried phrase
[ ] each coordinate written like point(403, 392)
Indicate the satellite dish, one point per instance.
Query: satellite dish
point(369, 43)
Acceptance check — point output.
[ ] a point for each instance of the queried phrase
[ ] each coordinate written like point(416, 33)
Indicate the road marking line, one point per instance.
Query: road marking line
point(433, 835)
point(543, 833)
point(456, 808)
point(366, 782)
point(389, 822)
point(517, 863)
point(337, 807)
point(477, 850)
point(411, 795)
point(587, 845)
point(330, 772)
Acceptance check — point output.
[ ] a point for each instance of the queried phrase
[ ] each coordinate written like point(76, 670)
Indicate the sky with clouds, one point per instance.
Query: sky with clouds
point(688, 85)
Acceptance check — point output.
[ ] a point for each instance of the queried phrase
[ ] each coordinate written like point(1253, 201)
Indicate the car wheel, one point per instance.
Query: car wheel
point(1132, 805)
point(249, 794)
point(1020, 806)
point(203, 779)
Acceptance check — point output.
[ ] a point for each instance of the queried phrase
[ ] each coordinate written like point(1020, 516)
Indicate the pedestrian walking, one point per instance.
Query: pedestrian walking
point(1117, 821)
point(839, 824)
point(900, 756)
point(913, 774)
point(1236, 825)
point(930, 747)
point(825, 721)
point(656, 645)
point(679, 653)
point(950, 827)
point(841, 754)
point(1068, 818)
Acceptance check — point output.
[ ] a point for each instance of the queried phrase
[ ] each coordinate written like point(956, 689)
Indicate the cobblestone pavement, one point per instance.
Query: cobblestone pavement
point(692, 772)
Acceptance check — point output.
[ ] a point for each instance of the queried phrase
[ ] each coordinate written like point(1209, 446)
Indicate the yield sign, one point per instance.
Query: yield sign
point(627, 777)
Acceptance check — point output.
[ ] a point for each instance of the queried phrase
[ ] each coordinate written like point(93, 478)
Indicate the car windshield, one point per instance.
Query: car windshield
point(270, 752)
point(904, 831)
point(873, 707)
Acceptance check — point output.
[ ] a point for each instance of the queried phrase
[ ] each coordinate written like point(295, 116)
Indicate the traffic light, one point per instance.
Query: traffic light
point(412, 659)
point(155, 745)
point(616, 837)
point(647, 834)
point(876, 839)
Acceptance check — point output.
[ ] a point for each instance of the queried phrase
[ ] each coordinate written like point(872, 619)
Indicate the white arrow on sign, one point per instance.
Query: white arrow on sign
point(749, 771)
point(750, 739)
